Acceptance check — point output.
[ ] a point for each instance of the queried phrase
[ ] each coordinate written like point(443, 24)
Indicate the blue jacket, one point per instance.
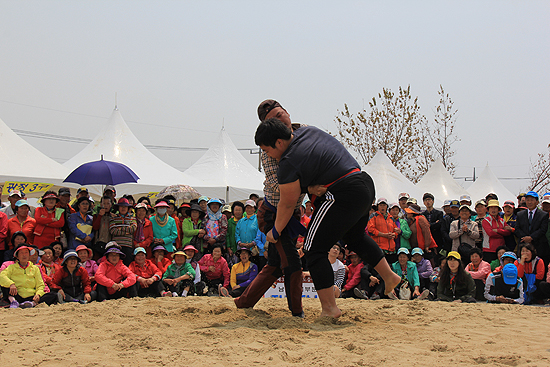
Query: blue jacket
point(260, 242)
point(247, 229)
point(75, 221)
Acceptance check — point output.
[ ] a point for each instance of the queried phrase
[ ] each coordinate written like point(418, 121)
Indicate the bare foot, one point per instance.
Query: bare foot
point(331, 312)
point(391, 283)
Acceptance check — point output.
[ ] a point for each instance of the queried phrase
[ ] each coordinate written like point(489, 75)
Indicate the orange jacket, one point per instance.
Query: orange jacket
point(108, 274)
point(378, 224)
point(27, 227)
point(48, 228)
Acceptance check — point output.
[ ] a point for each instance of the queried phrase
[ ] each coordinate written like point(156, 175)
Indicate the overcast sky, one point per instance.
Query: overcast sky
point(181, 68)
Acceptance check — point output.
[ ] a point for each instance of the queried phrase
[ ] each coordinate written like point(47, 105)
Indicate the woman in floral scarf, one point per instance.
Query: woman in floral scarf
point(216, 226)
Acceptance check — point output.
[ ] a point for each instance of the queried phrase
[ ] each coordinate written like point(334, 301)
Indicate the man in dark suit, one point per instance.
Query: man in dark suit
point(531, 226)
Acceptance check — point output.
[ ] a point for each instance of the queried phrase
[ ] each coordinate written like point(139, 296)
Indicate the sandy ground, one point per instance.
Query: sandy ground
point(212, 332)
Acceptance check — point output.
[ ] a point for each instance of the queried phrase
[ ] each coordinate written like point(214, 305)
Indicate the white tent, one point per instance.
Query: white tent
point(116, 142)
point(389, 182)
point(486, 183)
point(226, 173)
point(439, 182)
point(23, 162)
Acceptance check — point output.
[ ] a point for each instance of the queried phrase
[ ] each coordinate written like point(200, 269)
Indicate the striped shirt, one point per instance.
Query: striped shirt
point(122, 229)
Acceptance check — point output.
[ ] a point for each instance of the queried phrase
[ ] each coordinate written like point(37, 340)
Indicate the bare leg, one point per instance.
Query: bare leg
point(390, 278)
point(328, 303)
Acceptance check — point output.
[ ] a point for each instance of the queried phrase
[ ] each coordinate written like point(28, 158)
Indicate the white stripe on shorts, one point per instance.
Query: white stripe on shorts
point(318, 219)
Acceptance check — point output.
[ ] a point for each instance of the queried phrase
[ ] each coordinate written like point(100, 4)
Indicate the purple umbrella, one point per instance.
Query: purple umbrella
point(102, 173)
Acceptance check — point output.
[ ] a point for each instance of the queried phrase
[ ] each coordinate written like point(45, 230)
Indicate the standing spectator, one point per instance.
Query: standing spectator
point(64, 195)
point(532, 225)
point(402, 200)
point(261, 244)
point(193, 229)
point(216, 225)
point(22, 221)
point(479, 270)
point(455, 284)
point(165, 232)
point(82, 192)
point(215, 270)
point(545, 204)
point(203, 202)
point(49, 221)
point(434, 217)
point(521, 199)
point(383, 231)
point(481, 214)
point(101, 224)
point(172, 212)
point(13, 197)
point(81, 224)
point(403, 231)
point(143, 236)
point(3, 233)
point(421, 235)
point(464, 232)
point(72, 281)
point(509, 218)
point(446, 225)
point(122, 227)
point(247, 229)
point(148, 276)
point(493, 225)
point(242, 274)
point(446, 207)
point(237, 208)
point(114, 279)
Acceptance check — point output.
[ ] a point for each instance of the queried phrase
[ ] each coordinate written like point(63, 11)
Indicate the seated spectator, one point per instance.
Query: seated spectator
point(49, 221)
point(402, 230)
point(246, 231)
point(71, 281)
point(17, 238)
point(193, 229)
point(148, 276)
point(199, 285)
point(165, 232)
point(408, 272)
point(382, 230)
point(3, 233)
point(114, 279)
point(509, 218)
point(22, 221)
point(215, 270)
point(493, 225)
point(507, 258)
point(496, 263)
point(22, 283)
point(85, 254)
point(81, 224)
point(424, 268)
point(57, 252)
point(464, 232)
point(353, 279)
point(532, 268)
point(215, 225)
point(101, 223)
point(479, 270)
point(455, 284)
point(122, 227)
point(242, 274)
point(179, 276)
point(47, 265)
point(504, 286)
point(435, 277)
point(143, 236)
point(160, 258)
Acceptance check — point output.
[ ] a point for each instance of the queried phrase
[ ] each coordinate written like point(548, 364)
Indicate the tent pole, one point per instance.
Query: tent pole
point(226, 194)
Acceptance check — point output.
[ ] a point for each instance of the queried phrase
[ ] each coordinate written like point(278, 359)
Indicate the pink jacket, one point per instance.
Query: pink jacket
point(496, 239)
point(108, 274)
point(222, 269)
point(482, 271)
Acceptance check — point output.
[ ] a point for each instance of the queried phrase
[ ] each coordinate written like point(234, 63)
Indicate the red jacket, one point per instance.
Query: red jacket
point(146, 271)
point(108, 274)
point(163, 265)
point(221, 268)
point(178, 226)
point(378, 224)
point(3, 230)
point(354, 276)
point(148, 233)
point(496, 239)
point(527, 268)
point(27, 227)
point(60, 279)
point(48, 228)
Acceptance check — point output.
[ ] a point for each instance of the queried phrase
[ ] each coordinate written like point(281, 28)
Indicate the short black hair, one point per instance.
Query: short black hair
point(501, 247)
point(254, 196)
point(270, 130)
point(144, 198)
point(235, 204)
point(476, 250)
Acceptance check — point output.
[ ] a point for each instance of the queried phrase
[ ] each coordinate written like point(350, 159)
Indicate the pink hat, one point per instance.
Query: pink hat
point(162, 204)
point(190, 247)
point(141, 206)
point(251, 203)
point(21, 248)
point(84, 247)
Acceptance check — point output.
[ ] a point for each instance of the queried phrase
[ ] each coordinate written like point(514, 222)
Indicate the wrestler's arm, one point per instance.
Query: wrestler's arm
point(290, 193)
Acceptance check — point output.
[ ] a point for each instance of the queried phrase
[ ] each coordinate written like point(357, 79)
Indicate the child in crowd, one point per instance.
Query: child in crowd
point(114, 279)
point(72, 281)
point(178, 276)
